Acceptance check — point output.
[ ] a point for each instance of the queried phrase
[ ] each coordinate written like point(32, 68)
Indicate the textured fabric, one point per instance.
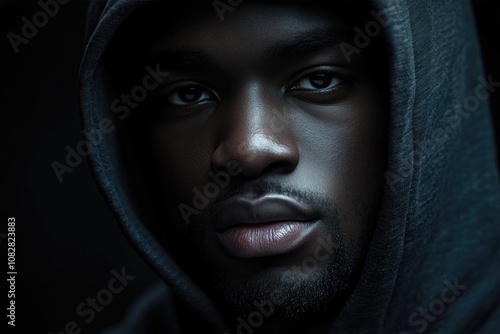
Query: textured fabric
point(439, 225)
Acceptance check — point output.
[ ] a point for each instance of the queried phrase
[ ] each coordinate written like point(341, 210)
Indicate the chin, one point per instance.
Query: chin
point(291, 293)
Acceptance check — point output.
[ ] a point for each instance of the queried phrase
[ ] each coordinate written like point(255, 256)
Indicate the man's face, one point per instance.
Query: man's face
point(268, 149)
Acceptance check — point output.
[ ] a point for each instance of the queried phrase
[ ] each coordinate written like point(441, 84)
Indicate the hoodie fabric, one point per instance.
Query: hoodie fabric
point(434, 262)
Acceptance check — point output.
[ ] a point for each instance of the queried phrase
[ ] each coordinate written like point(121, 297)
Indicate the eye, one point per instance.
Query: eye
point(317, 81)
point(323, 84)
point(190, 94)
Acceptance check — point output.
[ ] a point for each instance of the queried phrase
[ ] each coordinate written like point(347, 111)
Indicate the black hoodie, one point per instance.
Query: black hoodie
point(439, 224)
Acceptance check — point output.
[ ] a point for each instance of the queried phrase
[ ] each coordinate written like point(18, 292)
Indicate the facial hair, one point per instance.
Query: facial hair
point(301, 289)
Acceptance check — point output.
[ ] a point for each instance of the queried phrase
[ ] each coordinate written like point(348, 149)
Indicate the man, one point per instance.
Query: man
point(283, 174)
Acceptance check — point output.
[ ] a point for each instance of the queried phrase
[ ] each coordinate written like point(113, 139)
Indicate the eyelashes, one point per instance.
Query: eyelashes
point(317, 85)
point(317, 81)
point(323, 85)
point(189, 94)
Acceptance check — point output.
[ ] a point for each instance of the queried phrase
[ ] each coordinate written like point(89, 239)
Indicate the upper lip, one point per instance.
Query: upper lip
point(265, 209)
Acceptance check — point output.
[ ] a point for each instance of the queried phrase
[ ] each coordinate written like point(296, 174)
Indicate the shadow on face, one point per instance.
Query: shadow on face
point(264, 148)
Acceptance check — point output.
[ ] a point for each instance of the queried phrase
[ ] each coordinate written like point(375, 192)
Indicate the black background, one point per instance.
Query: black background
point(67, 241)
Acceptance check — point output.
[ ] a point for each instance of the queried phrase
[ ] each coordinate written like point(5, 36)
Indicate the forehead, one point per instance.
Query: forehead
point(180, 23)
point(250, 23)
point(253, 36)
point(257, 32)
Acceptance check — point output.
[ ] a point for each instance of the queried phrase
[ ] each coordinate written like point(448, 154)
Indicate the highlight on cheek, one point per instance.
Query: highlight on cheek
point(270, 106)
point(300, 165)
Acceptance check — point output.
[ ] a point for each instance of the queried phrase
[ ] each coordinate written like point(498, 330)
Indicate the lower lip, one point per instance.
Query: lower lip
point(258, 240)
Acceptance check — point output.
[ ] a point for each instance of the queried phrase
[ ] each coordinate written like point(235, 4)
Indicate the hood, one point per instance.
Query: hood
point(433, 264)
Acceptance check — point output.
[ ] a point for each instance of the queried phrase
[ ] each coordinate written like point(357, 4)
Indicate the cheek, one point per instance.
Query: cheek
point(182, 162)
point(352, 163)
point(348, 149)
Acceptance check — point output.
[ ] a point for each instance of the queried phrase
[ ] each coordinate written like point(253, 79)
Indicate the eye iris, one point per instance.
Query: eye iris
point(190, 94)
point(320, 80)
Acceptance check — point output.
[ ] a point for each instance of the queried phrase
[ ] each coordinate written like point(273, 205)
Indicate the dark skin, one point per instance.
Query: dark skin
point(306, 125)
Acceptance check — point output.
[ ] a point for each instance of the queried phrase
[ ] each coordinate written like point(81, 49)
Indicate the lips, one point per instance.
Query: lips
point(265, 226)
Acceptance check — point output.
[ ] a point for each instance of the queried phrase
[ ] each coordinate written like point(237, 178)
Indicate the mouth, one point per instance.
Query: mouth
point(266, 226)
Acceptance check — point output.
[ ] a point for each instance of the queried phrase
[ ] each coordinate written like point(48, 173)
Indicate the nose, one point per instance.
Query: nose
point(257, 134)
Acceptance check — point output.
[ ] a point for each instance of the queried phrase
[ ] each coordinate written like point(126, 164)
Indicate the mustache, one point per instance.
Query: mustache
point(260, 187)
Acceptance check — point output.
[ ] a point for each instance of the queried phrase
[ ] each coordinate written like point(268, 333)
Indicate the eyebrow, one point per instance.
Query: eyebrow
point(307, 43)
point(297, 46)
point(183, 59)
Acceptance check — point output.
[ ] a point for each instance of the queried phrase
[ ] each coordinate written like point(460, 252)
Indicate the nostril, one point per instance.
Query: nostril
point(258, 155)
